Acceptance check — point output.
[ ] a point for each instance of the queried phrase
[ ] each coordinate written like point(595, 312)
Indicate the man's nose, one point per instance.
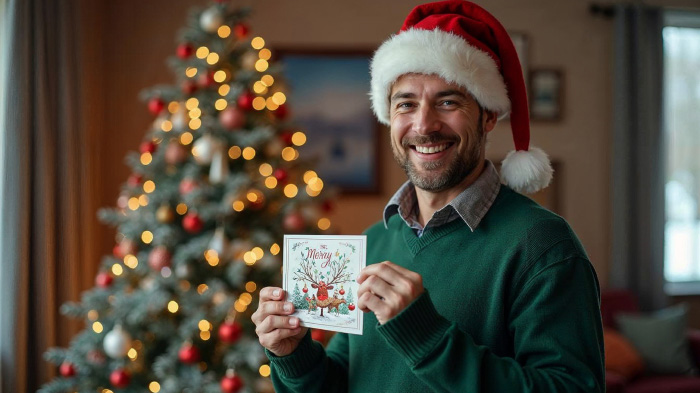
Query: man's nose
point(426, 120)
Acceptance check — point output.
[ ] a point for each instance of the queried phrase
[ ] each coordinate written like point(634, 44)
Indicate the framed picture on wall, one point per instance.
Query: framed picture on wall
point(546, 94)
point(328, 98)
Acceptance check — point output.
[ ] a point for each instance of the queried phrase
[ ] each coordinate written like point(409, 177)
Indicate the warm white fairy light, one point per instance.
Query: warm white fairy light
point(324, 224)
point(298, 138)
point(146, 158)
point(220, 104)
point(97, 327)
point(248, 153)
point(258, 252)
point(224, 90)
point(133, 203)
point(279, 98)
point(204, 325)
point(234, 152)
point(117, 269)
point(261, 65)
point(202, 52)
point(195, 124)
point(186, 138)
point(220, 76)
point(264, 370)
point(251, 286)
point(289, 154)
point(259, 87)
point(154, 387)
point(271, 104)
point(265, 169)
point(258, 103)
point(275, 249)
point(257, 43)
point(173, 306)
point(143, 200)
point(173, 106)
point(149, 186)
point(147, 237)
point(195, 113)
point(238, 206)
point(166, 126)
point(213, 58)
point(290, 190)
point(224, 31)
point(270, 182)
point(181, 209)
point(308, 175)
point(191, 103)
point(131, 261)
point(267, 80)
point(133, 354)
point(212, 257)
point(202, 288)
point(191, 72)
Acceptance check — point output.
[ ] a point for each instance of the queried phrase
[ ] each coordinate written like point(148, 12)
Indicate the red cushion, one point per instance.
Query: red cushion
point(664, 384)
point(620, 356)
point(614, 301)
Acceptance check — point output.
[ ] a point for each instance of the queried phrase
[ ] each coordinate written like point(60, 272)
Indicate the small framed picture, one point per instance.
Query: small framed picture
point(319, 275)
point(546, 94)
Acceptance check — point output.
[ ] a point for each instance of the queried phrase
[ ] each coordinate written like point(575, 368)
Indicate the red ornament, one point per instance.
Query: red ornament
point(103, 280)
point(192, 223)
point(281, 112)
point(184, 51)
point(351, 306)
point(156, 105)
point(187, 186)
point(305, 289)
point(245, 100)
point(241, 30)
point(147, 147)
point(119, 378)
point(342, 291)
point(175, 153)
point(134, 180)
point(230, 332)
point(188, 354)
point(206, 80)
point(124, 248)
point(327, 206)
point(231, 384)
point(318, 335)
point(189, 87)
point(294, 222)
point(232, 118)
point(286, 137)
point(159, 258)
point(280, 174)
point(66, 369)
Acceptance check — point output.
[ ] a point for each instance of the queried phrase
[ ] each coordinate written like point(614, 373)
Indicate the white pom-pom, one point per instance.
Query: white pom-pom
point(527, 171)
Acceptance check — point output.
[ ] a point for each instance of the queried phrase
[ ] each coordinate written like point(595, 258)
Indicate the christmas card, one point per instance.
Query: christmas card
point(319, 275)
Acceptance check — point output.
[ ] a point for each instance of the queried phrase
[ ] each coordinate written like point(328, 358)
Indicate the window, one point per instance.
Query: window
point(681, 114)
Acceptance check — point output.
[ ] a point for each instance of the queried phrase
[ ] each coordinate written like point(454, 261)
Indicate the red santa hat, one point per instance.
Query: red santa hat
point(463, 44)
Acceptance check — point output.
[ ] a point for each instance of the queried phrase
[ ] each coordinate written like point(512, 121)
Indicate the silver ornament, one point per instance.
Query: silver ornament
point(117, 342)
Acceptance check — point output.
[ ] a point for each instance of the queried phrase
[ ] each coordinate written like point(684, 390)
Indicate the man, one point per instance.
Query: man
point(470, 286)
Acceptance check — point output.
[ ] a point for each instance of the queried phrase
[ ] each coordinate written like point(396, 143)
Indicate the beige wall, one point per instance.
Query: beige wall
point(139, 35)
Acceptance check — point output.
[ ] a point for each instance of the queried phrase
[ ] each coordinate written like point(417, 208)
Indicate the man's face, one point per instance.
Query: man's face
point(438, 133)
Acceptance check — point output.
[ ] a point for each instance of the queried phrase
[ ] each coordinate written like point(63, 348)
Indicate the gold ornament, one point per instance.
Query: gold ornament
point(165, 214)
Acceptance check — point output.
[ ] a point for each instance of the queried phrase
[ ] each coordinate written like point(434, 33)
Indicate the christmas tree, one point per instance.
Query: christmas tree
point(298, 298)
point(215, 185)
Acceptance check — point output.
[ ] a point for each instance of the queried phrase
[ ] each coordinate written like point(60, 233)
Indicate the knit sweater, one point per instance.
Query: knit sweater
point(510, 307)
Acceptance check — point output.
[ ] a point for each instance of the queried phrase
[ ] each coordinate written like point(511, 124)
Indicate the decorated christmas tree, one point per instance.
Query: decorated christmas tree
point(216, 183)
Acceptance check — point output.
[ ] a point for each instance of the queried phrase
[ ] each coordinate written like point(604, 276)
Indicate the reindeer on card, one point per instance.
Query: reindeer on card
point(323, 270)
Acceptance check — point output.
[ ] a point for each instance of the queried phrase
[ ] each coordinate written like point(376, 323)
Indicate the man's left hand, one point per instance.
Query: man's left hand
point(386, 289)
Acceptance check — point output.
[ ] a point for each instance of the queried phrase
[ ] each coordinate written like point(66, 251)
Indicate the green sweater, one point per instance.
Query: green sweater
point(511, 307)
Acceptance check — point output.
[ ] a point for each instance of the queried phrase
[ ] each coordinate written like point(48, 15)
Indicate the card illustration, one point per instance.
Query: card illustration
point(319, 275)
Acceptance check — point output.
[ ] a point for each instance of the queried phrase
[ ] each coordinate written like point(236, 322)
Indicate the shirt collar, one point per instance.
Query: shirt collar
point(470, 205)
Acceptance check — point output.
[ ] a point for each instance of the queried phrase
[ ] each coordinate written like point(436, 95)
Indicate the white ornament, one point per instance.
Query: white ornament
point(218, 171)
point(218, 242)
point(183, 270)
point(211, 19)
point(117, 342)
point(203, 149)
point(180, 118)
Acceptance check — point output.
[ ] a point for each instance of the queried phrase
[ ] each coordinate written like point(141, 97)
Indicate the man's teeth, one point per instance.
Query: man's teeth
point(431, 149)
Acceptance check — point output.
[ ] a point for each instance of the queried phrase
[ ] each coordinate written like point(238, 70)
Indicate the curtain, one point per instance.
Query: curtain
point(637, 162)
point(46, 191)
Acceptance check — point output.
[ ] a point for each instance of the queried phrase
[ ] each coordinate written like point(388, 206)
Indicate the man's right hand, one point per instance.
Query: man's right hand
point(277, 331)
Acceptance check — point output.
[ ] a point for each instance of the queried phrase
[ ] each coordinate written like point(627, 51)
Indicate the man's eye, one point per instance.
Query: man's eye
point(448, 103)
point(404, 105)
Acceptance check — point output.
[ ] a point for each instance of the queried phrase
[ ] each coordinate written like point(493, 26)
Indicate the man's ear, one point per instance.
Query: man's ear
point(490, 119)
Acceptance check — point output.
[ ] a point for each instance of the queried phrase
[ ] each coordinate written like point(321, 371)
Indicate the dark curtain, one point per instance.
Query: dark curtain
point(46, 203)
point(638, 161)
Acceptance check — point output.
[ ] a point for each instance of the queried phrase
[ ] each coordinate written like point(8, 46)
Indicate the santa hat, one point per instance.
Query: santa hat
point(463, 44)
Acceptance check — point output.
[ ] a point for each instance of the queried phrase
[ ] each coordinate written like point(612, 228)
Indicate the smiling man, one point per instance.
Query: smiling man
point(470, 286)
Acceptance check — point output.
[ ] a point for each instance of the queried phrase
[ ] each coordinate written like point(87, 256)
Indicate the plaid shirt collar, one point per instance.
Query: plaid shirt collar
point(470, 205)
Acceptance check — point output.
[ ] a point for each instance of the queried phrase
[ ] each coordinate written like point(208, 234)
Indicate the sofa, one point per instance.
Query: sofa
point(616, 302)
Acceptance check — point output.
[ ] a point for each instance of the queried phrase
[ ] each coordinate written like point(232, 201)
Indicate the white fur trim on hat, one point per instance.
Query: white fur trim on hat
point(527, 171)
point(436, 52)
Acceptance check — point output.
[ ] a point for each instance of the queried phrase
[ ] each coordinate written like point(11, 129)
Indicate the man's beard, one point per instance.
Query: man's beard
point(453, 172)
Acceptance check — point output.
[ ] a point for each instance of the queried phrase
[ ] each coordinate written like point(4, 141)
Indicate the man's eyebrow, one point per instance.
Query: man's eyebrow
point(446, 93)
point(402, 95)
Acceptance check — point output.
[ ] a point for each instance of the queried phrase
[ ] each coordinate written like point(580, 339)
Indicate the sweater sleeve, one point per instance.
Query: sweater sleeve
point(311, 368)
point(555, 325)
